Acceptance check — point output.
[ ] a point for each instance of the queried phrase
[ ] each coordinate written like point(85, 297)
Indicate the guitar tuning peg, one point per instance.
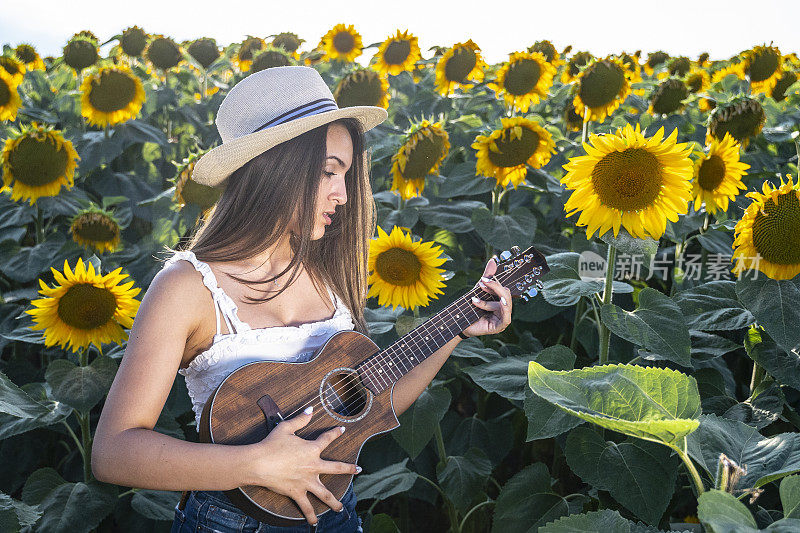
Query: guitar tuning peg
point(515, 250)
point(496, 259)
point(505, 254)
point(524, 297)
point(532, 292)
point(539, 284)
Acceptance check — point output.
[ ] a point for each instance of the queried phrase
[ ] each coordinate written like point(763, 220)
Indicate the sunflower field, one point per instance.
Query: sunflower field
point(651, 383)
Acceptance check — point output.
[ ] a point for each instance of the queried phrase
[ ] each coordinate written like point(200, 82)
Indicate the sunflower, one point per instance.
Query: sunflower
point(735, 67)
point(288, 41)
point(10, 102)
point(573, 67)
point(524, 79)
point(698, 81)
point(14, 68)
point(85, 308)
point(654, 61)
point(95, 228)
point(163, 53)
point(80, 52)
point(766, 238)
point(270, 57)
point(397, 53)
point(763, 65)
point(204, 50)
point(718, 175)
point(702, 60)
point(133, 41)
point(633, 70)
point(549, 52)
point(787, 80)
point(425, 147)
point(188, 191)
point(602, 87)
point(244, 56)
point(402, 271)
point(341, 43)
point(505, 153)
point(459, 64)
point(628, 180)
point(29, 56)
point(742, 117)
point(706, 104)
point(36, 162)
point(668, 97)
point(111, 95)
point(362, 87)
point(679, 66)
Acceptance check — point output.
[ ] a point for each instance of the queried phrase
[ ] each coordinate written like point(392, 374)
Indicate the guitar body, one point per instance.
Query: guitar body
point(257, 396)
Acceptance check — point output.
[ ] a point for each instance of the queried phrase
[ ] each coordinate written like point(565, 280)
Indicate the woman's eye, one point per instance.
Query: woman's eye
point(329, 174)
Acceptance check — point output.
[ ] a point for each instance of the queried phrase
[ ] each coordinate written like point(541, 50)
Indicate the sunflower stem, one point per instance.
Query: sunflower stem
point(39, 226)
point(106, 130)
point(86, 438)
point(586, 121)
point(757, 377)
point(695, 475)
point(416, 311)
point(605, 334)
point(579, 307)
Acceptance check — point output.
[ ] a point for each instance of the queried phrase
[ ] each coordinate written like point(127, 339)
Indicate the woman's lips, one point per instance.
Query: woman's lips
point(327, 218)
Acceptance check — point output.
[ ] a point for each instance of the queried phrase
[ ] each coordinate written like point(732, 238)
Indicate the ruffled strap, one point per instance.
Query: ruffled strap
point(223, 302)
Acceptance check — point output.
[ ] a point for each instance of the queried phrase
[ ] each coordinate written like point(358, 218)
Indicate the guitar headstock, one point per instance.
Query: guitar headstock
point(521, 271)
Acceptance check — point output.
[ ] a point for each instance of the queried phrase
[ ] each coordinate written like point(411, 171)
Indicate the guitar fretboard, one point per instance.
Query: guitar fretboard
point(384, 368)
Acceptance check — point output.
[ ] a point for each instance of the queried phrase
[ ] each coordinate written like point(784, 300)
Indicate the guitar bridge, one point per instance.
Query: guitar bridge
point(271, 411)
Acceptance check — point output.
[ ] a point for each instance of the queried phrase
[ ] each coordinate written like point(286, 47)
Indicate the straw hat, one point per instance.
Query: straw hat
point(267, 108)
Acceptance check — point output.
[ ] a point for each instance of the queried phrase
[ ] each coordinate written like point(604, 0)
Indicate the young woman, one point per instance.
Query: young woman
point(283, 258)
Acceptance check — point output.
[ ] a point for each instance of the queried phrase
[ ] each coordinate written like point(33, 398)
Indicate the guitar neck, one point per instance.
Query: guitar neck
point(383, 369)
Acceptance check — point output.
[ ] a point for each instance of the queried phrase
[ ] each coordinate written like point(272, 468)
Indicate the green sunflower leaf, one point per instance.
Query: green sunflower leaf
point(76, 507)
point(156, 504)
point(527, 502)
point(656, 404)
point(790, 496)
point(19, 412)
point(713, 306)
point(607, 521)
point(419, 422)
point(775, 304)
point(81, 386)
point(386, 482)
point(657, 325)
point(518, 228)
point(721, 512)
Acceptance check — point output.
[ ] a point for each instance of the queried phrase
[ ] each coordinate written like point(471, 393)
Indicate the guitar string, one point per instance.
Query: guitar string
point(382, 356)
point(388, 354)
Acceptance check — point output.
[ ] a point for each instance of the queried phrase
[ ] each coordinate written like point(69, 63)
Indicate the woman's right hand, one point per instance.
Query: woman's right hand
point(291, 465)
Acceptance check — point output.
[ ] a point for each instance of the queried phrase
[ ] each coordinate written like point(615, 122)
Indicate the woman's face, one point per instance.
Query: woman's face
point(332, 192)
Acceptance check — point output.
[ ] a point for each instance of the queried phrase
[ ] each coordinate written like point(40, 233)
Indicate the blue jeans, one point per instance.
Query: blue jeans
point(213, 512)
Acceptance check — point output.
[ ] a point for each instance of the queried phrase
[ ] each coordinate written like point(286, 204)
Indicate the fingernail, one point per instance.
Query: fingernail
point(485, 279)
point(309, 410)
point(341, 428)
point(502, 299)
point(358, 469)
point(476, 299)
point(341, 509)
point(482, 285)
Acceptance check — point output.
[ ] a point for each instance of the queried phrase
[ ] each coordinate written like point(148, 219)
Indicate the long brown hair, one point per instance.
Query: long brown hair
point(257, 204)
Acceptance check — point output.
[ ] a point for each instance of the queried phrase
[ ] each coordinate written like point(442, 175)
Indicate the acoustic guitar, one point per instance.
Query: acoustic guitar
point(349, 382)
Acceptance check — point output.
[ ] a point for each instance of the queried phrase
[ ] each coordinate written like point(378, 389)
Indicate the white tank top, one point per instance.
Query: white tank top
point(244, 344)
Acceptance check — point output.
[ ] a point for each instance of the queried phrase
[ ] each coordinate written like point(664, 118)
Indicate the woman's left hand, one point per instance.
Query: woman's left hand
point(501, 310)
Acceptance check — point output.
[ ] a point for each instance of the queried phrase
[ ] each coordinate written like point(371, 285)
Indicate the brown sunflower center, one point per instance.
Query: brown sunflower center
point(268, 59)
point(359, 88)
point(133, 41)
point(763, 65)
point(668, 96)
point(204, 51)
point(288, 41)
point(344, 42)
point(679, 66)
point(742, 120)
point(786, 81)
point(80, 54)
point(601, 84)
point(397, 52)
point(26, 53)
point(695, 82)
point(8, 64)
point(36, 163)
point(95, 227)
point(629, 180)
point(711, 173)
point(460, 65)
point(514, 151)
point(163, 53)
point(198, 194)
point(5, 93)
point(113, 91)
point(577, 61)
point(545, 48)
point(398, 267)
point(775, 234)
point(522, 76)
point(85, 306)
point(423, 156)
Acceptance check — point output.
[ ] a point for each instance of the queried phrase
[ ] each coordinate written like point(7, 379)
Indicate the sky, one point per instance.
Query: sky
point(679, 27)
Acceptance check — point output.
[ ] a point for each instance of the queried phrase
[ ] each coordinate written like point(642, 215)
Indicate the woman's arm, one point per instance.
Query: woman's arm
point(128, 452)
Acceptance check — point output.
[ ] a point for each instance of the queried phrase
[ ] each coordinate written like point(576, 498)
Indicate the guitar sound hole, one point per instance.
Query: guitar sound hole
point(343, 395)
